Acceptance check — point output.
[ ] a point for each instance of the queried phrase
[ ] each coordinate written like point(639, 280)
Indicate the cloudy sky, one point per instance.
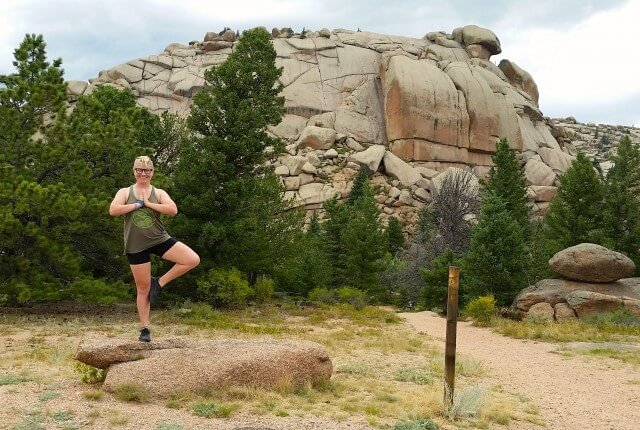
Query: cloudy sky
point(583, 54)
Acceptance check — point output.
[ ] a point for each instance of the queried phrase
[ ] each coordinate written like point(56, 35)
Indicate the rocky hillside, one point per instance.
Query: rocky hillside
point(598, 141)
point(412, 109)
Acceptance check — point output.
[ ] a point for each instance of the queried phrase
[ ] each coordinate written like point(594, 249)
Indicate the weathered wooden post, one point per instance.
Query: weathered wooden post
point(450, 347)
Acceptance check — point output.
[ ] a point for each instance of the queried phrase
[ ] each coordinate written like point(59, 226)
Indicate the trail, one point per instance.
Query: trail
point(570, 392)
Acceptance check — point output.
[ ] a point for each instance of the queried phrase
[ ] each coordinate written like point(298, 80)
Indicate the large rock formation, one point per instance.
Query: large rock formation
point(595, 284)
point(177, 365)
point(435, 103)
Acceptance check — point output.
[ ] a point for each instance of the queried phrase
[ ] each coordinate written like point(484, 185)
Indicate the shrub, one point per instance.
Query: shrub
point(263, 290)
point(482, 309)
point(90, 374)
point(323, 295)
point(224, 287)
point(352, 296)
point(347, 295)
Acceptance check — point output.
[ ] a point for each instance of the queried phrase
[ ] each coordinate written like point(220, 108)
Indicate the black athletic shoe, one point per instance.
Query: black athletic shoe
point(154, 291)
point(145, 335)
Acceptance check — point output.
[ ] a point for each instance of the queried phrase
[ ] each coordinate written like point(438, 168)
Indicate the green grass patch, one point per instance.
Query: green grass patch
point(415, 375)
point(131, 392)
point(34, 421)
point(14, 379)
point(630, 357)
point(210, 410)
point(420, 424)
point(355, 368)
point(94, 395)
point(48, 395)
point(602, 328)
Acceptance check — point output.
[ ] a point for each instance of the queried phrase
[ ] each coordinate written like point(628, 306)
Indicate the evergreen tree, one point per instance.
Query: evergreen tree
point(395, 236)
point(357, 189)
point(621, 203)
point(34, 93)
point(355, 242)
point(575, 215)
point(43, 210)
point(433, 294)
point(365, 244)
point(231, 206)
point(506, 181)
point(497, 259)
point(314, 225)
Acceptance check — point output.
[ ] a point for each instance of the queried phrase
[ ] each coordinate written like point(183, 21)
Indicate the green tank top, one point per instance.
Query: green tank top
point(143, 227)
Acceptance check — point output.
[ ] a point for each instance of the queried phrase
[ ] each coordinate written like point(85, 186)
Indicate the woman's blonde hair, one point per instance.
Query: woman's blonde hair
point(144, 160)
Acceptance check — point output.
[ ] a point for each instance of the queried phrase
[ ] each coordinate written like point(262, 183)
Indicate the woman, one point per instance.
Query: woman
point(144, 234)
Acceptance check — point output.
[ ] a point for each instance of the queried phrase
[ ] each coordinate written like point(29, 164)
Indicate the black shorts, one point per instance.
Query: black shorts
point(144, 256)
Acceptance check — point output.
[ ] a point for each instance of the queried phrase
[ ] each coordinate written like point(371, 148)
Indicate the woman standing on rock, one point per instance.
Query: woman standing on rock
point(144, 234)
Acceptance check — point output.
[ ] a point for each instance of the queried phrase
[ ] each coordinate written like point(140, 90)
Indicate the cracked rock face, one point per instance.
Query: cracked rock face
point(435, 102)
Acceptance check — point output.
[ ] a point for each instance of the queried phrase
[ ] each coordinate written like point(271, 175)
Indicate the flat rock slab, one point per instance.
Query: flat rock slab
point(190, 365)
point(588, 262)
point(102, 353)
point(554, 291)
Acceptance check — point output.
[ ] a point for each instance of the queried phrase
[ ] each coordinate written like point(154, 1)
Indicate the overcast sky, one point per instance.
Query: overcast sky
point(583, 54)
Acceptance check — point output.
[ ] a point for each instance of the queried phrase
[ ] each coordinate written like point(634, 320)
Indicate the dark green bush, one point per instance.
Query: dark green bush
point(222, 287)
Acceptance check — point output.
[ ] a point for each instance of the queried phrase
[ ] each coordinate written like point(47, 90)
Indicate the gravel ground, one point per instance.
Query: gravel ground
point(571, 392)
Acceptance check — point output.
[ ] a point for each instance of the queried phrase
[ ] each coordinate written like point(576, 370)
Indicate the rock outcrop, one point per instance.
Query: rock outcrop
point(435, 103)
point(177, 365)
point(596, 284)
point(598, 141)
point(588, 262)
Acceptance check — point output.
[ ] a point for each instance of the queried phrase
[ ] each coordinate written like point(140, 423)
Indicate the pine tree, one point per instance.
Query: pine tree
point(35, 92)
point(355, 242)
point(575, 215)
point(357, 189)
point(231, 205)
point(621, 202)
point(497, 260)
point(506, 181)
point(395, 236)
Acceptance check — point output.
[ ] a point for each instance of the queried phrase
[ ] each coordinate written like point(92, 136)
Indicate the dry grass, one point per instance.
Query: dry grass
point(618, 326)
point(384, 371)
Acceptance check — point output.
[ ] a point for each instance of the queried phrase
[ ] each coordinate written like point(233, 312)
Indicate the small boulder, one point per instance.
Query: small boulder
point(588, 262)
point(563, 312)
point(370, 157)
point(541, 311)
point(316, 137)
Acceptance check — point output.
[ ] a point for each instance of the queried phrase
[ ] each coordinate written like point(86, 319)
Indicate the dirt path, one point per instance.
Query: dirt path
point(571, 392)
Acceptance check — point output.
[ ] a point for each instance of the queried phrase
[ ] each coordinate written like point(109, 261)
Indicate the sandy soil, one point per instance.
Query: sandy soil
point(571, 392)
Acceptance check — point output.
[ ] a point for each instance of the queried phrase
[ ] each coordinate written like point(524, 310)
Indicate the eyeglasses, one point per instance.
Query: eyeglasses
point(141, 171)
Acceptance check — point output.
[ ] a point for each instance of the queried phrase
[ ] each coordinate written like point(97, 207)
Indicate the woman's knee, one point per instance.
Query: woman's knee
point(194, 260)
point(143, 286)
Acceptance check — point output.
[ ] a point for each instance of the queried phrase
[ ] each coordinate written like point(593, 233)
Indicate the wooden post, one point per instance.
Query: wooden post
point(450, 347)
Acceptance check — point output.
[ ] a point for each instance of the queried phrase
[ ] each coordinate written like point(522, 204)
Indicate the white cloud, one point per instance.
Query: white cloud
point(581, 53)
point(593, 60)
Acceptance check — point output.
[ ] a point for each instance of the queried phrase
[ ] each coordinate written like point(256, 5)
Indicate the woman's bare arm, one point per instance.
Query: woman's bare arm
point(119, 205)
point(165, 205)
